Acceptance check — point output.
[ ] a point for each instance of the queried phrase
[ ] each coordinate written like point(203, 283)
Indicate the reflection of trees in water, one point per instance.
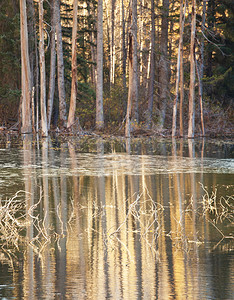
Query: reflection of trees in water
point(113, 236)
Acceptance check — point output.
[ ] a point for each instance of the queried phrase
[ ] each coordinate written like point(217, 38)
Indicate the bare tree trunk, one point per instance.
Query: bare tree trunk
point(60, 66)
point(200, 97)
point(44, 129)
point(181, 26)
point(99, 87)
point(181, 91)
point(191, 123)
point(92, 49)
point(124, 54)
point(112, 45)
point(72, 110)
point(201, 71)
point(52, 67)
point(25, 71)
point(132, 107)
point(152, 72)
point(163, 65)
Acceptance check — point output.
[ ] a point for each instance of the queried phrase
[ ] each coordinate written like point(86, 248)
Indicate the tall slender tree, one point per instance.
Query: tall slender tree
point(152, 67)
point(124, 52)
point(99, 85)
point(60, 65)
point(179, 58)
point(191, 123)
point(25, 71)
point(52, 67)
point(72, 110)
point(44, 128)
point(163, 64)
point(132, 107)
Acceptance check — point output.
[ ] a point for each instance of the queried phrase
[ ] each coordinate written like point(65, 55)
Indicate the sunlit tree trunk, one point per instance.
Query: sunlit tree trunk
point(163, 64)
point(181, 92)
point(179, 58)
point(124, 54)
point(152, 72)
point(200, 71)
point(112, 46)
point(52, 67)
point(90, 10)
point(191, 123)
point(60, 65)
point(132, 107)
point(32, 37)
point(99, 87)
point(72, 110)
point(44, 129)
point(25, 71)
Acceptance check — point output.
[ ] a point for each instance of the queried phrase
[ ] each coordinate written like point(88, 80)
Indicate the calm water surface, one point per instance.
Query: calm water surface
point(139, 219)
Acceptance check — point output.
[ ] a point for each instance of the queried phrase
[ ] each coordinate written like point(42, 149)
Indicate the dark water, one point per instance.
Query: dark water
point(139, 219)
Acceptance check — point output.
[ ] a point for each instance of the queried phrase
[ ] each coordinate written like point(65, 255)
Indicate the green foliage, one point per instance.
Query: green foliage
point(219, 85)
point(9, 54)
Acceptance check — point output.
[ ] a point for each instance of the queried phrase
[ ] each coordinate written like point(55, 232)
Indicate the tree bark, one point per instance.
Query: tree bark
point(191, 123)
point(72, 110)
point(60, 66)
point(112, 46)
point(25, 71)
point(179, 58)
point(124, 54)
point(132, 107)
point(99, 87)
point(44, 129)
point(163, 65)
point(152, 72)
point(52, 67)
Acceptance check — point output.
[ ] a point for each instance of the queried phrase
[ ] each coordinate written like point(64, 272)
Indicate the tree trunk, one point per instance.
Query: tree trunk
point(124, 54)
point(200, 97)
point(112, 48)
point(72, 110)
point(44, 129)
point(99, 87)
point(163, 65)
point(60, 66)
point(181, 92)
point(132, 107)
point(25, 71)
point(52, 67)
point(152, 72)
point(191, 123)
point(181, 26)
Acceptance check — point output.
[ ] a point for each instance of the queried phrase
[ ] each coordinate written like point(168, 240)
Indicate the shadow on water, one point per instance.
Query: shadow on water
point(128, 219)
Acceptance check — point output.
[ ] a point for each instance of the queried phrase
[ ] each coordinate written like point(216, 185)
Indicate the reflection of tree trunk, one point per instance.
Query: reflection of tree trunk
point(45, 181)
point(55, 187)
point(62, 255)
point(29, 283)
point(76, 197)
point(102, 201)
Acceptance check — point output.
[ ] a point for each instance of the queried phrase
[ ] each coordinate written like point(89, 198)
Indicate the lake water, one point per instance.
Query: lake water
point(93, 219)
